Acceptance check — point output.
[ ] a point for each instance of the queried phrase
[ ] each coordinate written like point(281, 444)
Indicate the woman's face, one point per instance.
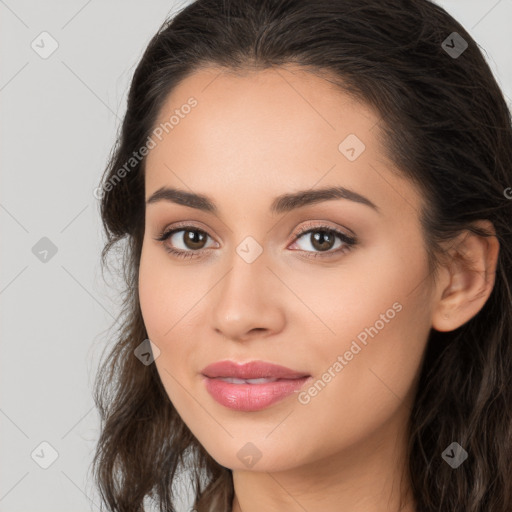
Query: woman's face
point(352, 319)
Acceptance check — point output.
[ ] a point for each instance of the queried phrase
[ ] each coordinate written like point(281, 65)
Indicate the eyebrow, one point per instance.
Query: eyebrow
point(281, 204)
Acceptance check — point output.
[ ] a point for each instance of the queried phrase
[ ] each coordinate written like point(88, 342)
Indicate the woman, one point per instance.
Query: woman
point(318, 264)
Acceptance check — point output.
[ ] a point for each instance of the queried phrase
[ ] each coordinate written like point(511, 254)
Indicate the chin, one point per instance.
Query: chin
point(257, 455)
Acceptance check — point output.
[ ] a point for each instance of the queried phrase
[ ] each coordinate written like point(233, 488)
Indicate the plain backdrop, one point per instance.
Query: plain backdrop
point(59, 118)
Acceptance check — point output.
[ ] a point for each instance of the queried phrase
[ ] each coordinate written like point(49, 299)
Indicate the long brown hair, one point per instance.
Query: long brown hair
point(446, 126)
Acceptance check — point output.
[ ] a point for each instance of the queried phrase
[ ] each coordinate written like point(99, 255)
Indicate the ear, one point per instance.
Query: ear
point(468, 278)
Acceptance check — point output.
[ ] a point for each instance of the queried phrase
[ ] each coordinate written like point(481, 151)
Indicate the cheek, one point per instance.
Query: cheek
point(161, 310)
point(368, 290)
point(152, 302)
point(171, 306)
point(166, 294)
point(381, 322)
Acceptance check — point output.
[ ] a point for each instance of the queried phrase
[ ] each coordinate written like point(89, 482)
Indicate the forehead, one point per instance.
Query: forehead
point(274, 97)
point(273, 129)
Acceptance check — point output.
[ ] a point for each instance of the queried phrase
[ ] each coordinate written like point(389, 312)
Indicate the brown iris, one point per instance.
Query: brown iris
point(323, 240)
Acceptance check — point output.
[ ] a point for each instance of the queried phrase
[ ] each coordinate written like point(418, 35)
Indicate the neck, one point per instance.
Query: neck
point(371, 476)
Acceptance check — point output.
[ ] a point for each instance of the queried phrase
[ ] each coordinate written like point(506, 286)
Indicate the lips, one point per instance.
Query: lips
point(251, 370)
point(251, 386)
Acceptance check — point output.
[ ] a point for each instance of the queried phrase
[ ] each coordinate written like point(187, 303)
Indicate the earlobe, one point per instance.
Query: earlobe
point(472, 272)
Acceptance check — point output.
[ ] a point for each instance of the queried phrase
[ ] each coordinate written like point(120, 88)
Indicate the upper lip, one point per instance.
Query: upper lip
point(251, 370)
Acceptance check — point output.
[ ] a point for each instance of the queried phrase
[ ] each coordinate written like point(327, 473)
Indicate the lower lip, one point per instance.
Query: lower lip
point(251, 397)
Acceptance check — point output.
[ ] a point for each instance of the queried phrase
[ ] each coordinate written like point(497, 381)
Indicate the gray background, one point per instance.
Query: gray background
point(59, 118)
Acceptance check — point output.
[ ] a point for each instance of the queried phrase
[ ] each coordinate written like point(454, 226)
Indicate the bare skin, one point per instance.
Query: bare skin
point(250, 139)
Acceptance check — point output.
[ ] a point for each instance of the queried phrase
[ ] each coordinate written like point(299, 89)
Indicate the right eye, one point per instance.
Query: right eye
point(192, 238)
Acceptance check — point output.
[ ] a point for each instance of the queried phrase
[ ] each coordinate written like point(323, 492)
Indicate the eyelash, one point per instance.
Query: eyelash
point(349, 242)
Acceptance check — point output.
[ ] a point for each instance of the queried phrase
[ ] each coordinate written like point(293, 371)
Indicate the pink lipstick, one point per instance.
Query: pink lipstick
point(251, 386)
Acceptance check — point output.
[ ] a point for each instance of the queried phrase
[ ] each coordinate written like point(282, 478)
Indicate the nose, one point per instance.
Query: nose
point(248, 301)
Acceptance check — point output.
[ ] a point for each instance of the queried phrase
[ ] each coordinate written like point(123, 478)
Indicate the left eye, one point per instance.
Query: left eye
point(322, 239)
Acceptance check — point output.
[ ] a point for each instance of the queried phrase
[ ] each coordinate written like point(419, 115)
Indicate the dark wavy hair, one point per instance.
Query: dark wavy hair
point(446, 126)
